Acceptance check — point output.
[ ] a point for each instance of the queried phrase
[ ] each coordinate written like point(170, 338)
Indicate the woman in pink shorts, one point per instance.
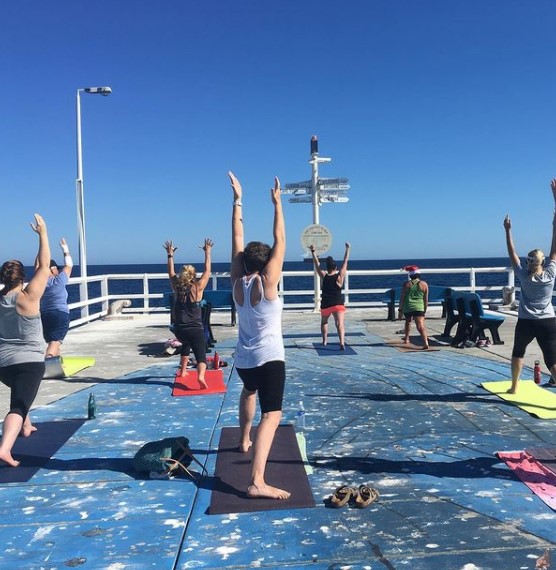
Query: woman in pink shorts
point(332, 299)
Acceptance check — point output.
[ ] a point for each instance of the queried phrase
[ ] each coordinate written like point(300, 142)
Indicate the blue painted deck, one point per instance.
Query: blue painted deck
point(416, 426)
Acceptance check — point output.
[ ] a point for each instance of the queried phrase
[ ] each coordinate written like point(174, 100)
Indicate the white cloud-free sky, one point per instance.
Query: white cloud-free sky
point(441, 114)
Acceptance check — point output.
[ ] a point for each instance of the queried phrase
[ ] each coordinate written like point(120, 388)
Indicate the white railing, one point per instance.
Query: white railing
point(97, 307)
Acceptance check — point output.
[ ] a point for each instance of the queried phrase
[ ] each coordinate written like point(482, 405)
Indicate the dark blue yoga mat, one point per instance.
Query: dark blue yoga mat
point(35, 451)
point(284, 469)
point(333, 350)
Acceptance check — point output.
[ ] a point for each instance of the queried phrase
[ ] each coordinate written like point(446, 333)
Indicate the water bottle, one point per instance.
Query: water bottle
point(537, 372)
point(216, 361)
point(300, 416)
point(92, 407)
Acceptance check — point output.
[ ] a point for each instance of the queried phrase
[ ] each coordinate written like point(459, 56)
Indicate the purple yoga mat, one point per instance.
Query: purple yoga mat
point(284, 469)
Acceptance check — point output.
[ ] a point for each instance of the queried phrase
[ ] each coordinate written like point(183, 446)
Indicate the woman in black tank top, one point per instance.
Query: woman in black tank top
point(186, 310)
point(332, 299)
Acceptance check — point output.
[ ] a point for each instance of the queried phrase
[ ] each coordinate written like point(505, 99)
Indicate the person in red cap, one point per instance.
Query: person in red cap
point(414, 300)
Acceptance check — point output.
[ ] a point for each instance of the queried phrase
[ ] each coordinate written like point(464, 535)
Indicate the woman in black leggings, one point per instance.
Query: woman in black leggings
point(21, 341)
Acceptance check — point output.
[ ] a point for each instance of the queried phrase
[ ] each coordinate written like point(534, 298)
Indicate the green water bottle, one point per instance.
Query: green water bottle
point(92, 407)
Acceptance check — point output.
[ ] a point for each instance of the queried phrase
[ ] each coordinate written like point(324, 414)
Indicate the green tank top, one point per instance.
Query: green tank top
point(414, 298)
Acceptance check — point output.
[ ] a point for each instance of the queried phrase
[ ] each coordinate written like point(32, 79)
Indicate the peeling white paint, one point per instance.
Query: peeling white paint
point(225, 551)
point(174, 523)
point(42, 532)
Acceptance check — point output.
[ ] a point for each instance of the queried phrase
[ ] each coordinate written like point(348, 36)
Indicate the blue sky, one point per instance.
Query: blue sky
point(441, 114)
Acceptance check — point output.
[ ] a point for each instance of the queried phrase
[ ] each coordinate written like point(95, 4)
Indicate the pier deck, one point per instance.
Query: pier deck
point(416, 426)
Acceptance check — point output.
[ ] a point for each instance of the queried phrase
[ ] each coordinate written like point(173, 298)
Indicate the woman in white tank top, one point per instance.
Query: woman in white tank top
point(259, 358)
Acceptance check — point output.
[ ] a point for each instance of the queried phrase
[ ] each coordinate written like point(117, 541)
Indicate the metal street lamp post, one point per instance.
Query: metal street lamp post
point(83, 290)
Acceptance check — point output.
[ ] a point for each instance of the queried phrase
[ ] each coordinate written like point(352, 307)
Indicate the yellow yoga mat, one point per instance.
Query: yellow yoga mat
point(530, 397)
point(74, 364)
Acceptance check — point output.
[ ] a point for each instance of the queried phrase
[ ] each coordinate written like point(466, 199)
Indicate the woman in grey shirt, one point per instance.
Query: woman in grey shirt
point(535, 318)
point(21, 341)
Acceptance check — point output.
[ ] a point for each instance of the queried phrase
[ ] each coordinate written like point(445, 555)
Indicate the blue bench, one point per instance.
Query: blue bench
point(437, 295)
point(221, 299)
point(466, 309)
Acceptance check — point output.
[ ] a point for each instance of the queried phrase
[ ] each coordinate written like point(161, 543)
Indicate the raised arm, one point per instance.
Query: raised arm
point(273, 270)
point(68, 261)
point(170, 249)
point(203, 280)
point(316, 262)
point(514, 258)
point(29, 301)
point(553, 245)
point(343, 269)
point(237, 270)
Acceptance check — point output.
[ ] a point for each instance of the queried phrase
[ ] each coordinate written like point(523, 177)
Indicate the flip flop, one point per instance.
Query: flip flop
point(365, 496)
point(341, 496)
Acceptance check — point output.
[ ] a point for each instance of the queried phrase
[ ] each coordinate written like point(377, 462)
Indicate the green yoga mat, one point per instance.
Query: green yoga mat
point(530, 397)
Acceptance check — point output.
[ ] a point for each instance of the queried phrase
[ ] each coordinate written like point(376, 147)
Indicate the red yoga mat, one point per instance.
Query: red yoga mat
point(189, 385)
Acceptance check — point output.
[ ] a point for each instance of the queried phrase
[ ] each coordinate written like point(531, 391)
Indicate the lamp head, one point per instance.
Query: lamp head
point(104, 91)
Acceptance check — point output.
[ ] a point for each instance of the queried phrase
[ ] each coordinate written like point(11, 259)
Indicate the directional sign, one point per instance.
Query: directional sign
point(294, 187)
point(333, 180)
point(317, 236)
point(334, 199)
point(308, 199)
point(334, 186)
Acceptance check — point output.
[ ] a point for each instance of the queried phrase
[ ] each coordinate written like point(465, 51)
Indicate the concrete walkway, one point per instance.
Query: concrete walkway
point(416, 426)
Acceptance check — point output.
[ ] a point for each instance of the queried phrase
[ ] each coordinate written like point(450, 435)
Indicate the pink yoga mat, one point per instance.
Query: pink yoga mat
point(539, 479)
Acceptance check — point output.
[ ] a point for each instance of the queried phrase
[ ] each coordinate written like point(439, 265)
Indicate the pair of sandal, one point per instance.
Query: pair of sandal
point(362, 496)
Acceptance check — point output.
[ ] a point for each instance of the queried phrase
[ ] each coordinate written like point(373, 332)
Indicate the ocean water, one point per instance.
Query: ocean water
point(127, 287)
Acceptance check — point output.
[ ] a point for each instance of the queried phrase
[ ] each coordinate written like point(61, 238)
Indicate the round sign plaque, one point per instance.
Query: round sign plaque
point(317, 236)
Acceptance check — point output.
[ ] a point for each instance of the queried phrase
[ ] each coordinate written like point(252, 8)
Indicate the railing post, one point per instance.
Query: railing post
point(472, 282)
point(346, 289)
point(146, 292)
point(104, 294)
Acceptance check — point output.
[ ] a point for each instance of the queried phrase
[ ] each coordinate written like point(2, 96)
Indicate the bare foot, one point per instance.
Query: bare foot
point(27, 431)
point(266, 492)
point(342, 347)
point(511, 391)
point(405, 341)
point(7, 458)
point(203, 383)
point(426, 347)
point(245, 447)
point(182, 373)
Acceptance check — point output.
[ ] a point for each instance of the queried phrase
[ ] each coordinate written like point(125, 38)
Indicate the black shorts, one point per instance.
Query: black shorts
point(268, 380)
point(55, 325)
point(192, 338)
point(23, 380)
point(544, 330)
point(413, 314)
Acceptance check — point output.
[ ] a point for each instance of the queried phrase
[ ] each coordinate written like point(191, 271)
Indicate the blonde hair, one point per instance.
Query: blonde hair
point(186, 277)
point(535, 260)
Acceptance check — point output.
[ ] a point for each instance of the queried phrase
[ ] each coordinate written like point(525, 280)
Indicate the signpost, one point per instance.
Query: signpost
point(317, 191)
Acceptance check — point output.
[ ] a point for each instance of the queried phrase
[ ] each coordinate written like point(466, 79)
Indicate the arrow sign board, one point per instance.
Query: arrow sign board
point(317, 236)
point(301, 199)
point(333, 180)
point(328, 186)
point(295, 187)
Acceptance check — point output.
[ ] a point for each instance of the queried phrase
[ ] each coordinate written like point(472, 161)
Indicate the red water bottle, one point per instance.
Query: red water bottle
point(216, 361)
point(537, 372)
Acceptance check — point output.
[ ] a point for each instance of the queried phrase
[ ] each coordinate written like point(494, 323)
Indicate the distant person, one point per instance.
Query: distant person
point(188, 323)
point(332, 298)
point(55, 315)
point(260, 356)
point(21, 341)
point(535, 317)
point(414, 300)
